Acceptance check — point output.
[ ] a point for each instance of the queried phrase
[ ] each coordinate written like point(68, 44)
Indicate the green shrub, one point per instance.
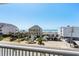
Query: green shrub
point(13, 38)
point(27, 39)
point(6, 36)
point(40, 41)
point(1, 37)
point(22, 39)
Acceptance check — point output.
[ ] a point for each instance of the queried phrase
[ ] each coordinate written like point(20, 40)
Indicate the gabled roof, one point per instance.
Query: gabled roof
point(35, 27)
point(5, 24)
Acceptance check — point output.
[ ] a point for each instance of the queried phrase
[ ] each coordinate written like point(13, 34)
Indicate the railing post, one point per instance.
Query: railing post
point(12, 52)
point(29, 53)
point(25, 53)
point(7, 51)
point(36, 53)
point(18, 52)
point(40, 54)
point(49, 54)
point(44, 54)
point(2, 51)
point(15, 52)
point(32, 53)
point(22, 52)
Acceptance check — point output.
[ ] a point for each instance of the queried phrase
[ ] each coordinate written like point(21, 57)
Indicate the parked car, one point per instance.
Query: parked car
point(74, 45)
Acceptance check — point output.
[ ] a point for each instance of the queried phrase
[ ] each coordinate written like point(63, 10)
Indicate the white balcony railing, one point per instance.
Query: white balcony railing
point(17, 50)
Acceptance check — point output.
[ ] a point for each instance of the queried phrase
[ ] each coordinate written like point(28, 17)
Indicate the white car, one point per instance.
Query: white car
point(75, 44)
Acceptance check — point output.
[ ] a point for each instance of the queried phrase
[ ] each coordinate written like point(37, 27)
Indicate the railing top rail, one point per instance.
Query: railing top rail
point(41, 50)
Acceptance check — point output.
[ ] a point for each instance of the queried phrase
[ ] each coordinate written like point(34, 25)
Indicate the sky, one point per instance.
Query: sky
point(46, 15)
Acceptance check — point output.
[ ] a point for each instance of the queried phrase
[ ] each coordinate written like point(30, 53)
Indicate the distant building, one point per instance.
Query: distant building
point(7, 28)
point(35, 30)
point(50, 32)
point(68, 32)
point(50, 35)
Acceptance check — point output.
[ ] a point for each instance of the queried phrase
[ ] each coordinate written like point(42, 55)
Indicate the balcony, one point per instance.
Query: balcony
point(19, 50)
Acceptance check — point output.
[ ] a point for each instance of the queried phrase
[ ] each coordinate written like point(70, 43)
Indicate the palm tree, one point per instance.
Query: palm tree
point(40, 41)
point(18, 34)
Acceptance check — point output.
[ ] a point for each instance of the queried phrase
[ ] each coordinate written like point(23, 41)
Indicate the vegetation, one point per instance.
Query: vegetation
point(18, 36)
point(40, 41)
point(15, 36)
point(5, 36)
point(1, 37)
point(29, 41)
point(22, 39)
point(12, 38)
point(56, 38)
point(26, 38)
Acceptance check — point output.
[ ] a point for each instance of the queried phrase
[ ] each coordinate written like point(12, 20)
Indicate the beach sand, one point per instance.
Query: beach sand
point(49, 44)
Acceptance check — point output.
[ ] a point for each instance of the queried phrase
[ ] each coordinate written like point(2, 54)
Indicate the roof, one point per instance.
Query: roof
point(35, 27)
point(5, 24)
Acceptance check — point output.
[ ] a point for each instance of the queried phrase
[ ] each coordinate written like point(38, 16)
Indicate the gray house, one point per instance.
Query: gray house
point(7, 28)
point(35, 30)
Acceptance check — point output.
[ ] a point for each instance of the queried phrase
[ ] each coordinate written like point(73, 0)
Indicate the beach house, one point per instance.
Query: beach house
point(35, 30)
point(7, 28)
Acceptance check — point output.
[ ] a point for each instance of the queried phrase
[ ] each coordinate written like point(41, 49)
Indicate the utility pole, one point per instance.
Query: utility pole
point(72, 30)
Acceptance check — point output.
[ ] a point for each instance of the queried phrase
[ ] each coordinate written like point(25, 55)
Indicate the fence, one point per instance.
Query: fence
point(17, 50)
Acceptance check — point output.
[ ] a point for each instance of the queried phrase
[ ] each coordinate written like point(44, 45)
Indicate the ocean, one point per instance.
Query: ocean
point(50, 30)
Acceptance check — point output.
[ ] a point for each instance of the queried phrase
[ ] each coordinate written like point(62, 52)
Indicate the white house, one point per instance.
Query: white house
point(68, 32)
point(7, 28)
